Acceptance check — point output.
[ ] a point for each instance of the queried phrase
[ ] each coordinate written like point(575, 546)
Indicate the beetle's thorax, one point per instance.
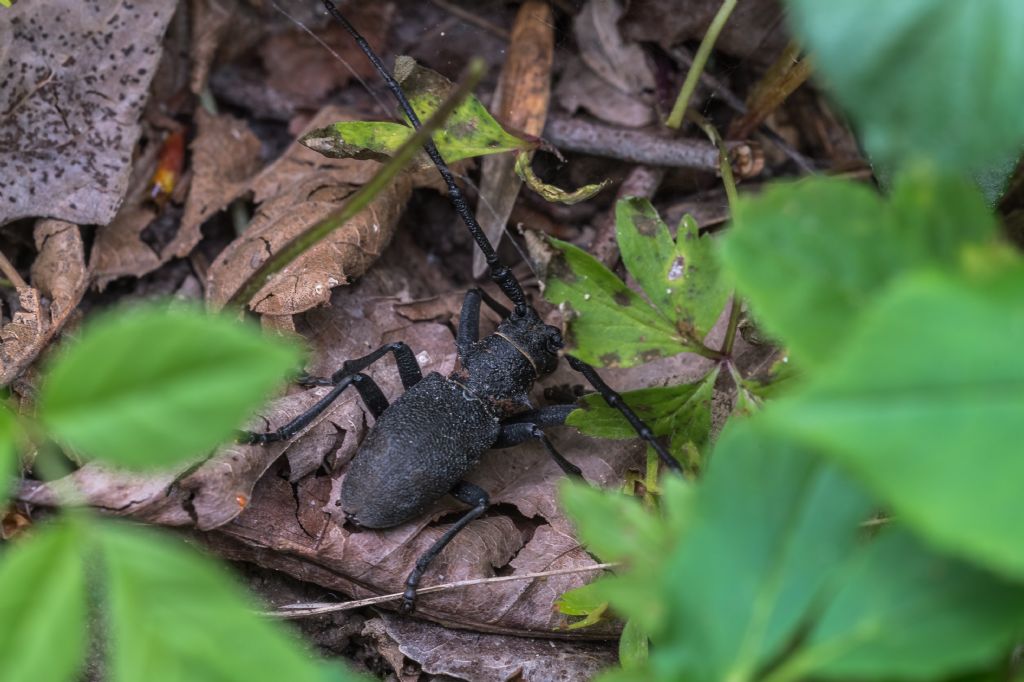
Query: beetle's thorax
point(501, 368)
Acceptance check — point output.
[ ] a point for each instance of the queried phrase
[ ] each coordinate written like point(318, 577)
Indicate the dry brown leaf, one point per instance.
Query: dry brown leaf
point(119, 250)
point(617, 62)
point(295, 192)
point(754, 29)
point(300, 68)
point(581, 88)
point(76, 77)
point(58, 279)
point(496, 658)
point(210, 22)
point(225, 156)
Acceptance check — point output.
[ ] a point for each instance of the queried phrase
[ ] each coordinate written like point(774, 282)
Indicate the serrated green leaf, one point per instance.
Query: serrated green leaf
point(682, 412)
point(550, 192)
point(902, 611)
point(633, 646)
point(148, 387)
point(813, 254)
point(43, 605)
point(9, 435)
point(922, 77)
point(681, 278)
point(926, 405)
point(469, 132)
point(176, 615)
point(607, 323)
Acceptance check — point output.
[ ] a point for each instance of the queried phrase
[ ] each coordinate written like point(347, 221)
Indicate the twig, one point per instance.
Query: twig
point(358, 201)
point(675, 119)
point(636, 146)
point(12, 274)
point(316, 609)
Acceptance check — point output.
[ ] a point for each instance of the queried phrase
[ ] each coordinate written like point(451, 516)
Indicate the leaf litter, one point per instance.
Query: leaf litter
point(364, 287)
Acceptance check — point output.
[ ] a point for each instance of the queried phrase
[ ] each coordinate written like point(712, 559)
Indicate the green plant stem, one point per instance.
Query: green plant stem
point(675, 118)
point(724, 165)
point(362, 198)
point(734, 322)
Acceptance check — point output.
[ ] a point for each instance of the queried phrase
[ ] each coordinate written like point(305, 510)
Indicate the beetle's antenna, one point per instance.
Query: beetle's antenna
point(500, 273)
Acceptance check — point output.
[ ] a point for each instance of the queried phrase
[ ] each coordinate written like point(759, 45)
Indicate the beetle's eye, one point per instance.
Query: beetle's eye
point(555, 342)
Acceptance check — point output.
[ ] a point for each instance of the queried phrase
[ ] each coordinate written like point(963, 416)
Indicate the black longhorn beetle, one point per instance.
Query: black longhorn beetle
point(423, 444)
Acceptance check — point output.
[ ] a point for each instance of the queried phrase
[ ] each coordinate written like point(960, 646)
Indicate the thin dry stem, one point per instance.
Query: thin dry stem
point(316, 609)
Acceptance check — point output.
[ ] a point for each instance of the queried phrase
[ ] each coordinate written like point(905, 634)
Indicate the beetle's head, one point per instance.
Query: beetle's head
point(538, 341)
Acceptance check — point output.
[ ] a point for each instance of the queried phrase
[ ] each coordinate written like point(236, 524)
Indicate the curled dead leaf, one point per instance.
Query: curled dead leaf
point(59, 279)
point(299, 190)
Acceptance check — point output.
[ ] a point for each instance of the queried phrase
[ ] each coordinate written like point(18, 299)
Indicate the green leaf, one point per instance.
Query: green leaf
point(147, 387)
point(551, 193)
point(470, 131)
point(926, 406)
point(176, 615)
point(681, 278)
point(813, 254)
point(770, 525)
point(582, 601)
point(902, 611)
point(42, 605)
point(10, 433)
point(607, 324)
point(925, 78)
point(633, 646)
point(613, 526)
point(682, 412)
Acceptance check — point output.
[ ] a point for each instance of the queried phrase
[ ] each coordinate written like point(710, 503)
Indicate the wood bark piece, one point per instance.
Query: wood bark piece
point(76, 78)
point(520, 102)
point(59, 279)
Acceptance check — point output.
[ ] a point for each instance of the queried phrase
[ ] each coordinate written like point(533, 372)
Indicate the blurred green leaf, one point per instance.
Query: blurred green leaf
point(607, 324)
point(812, 255)
point(681, 278)
point(633, 646)
point(928, 78)
point(176, 615)
point(42, 605)
point(770, 525)
point(9, 435)
point(147, 387)
point(612, 525)
point(926, 406)
point(682, 412)
point(902, 611)
point(470, 131)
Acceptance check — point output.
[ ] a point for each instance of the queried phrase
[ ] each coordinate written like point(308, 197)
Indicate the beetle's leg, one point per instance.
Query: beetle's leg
point(520, 432)
point(368, 390)
point(549, 415)
point(408, 368)
point(615, 400)
point(463, 492)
